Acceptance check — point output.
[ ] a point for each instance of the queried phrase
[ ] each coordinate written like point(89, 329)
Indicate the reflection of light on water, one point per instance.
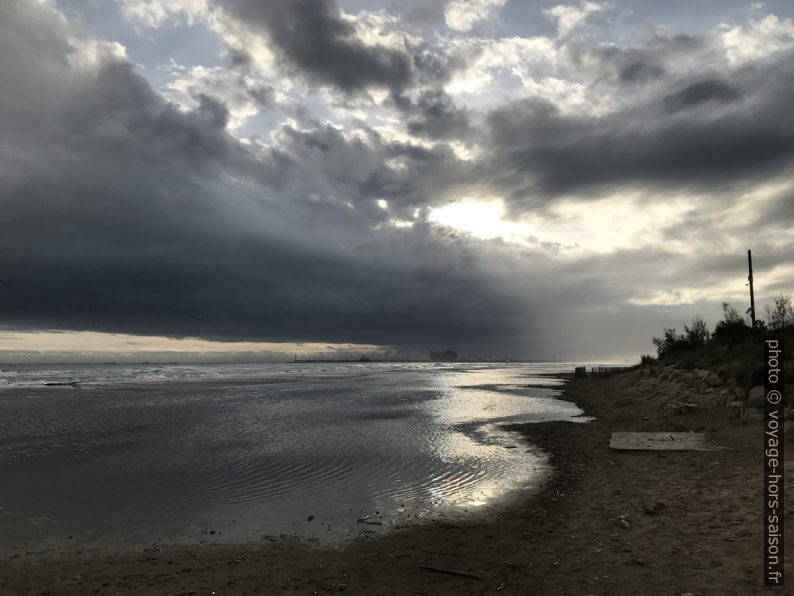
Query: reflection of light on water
point(488, 464)
point(454, 458)
point(471, 406)
point(483, 395)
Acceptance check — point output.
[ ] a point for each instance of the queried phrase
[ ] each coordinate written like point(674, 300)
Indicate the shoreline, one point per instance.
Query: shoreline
point(694, 527)
point(274, 377)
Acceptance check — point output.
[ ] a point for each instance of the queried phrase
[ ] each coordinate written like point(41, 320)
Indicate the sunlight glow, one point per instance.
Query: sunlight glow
point(573, 225)
point(481, 219)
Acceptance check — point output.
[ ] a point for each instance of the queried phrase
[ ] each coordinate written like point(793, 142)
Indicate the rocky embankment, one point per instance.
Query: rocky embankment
point(679, 392)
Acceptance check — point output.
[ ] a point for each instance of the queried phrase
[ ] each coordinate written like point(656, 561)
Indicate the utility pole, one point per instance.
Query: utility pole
point(750, 279)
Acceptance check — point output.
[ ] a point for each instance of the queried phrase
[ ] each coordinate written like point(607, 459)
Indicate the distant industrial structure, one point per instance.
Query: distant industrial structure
point(445, 356)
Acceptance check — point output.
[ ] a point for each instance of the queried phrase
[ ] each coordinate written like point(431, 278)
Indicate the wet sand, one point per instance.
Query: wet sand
point(694, 526)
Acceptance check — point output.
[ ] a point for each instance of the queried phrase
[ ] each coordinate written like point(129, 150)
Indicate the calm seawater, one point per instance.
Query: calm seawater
point(227, 453)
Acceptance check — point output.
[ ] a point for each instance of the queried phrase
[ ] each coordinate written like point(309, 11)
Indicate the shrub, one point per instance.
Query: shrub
point(698, 334)
point(735, 349)
point(732, 326)
point(669, 343)
point(731, 316)
point(647, 360)
point(781, 315)
point(748, 373)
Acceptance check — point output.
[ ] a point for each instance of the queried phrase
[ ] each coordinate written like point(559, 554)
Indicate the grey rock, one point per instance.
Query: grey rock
point(736, 408)
point(714, 381)
point(675, 409)
point(756, 396)
point(725, 397)
point(752, 415)
point(653, 508)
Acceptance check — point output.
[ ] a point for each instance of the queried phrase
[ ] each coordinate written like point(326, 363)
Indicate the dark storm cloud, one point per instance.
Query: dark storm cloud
point(312, 36)
point(710, 90)
point(121, 213)
point(239, 58)
point(361, 171)
point(777, 213)
point(709, 133)
point(433, 114)
point(645, 63)
point(427, 12)
point(638, 71)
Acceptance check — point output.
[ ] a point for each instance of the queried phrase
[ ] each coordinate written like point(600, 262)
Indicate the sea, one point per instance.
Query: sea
point(143, 455)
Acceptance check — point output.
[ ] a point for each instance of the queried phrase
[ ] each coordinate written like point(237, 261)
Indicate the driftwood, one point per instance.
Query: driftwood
point(451, 572)
point(681, 403)
point(367, 519)
point(61, 384)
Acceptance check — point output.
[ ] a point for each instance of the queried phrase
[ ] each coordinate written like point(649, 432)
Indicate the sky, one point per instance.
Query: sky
point(211, 178)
